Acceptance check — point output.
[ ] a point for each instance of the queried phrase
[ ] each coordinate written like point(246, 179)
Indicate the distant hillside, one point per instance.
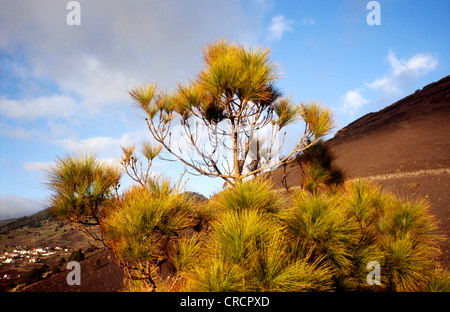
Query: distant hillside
point(32, 221)
point(3, 222)
point(40, 229)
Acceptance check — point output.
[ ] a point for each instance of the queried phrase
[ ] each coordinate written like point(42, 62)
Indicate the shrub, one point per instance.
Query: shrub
point(246, 249)
point(81, 186)
point(61, 261)
point(318, 171)
point(401, 235)
point(33, 276)
point(253, 194)
point(247, 252)
point(316, 242)
point(438, 282)
point(142, 224)
point(55, 269)
point(248, 238)
point(76, 255)
point(320, 230)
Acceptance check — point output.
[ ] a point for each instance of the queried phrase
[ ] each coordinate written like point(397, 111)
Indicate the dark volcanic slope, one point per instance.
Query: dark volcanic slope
point(99, 273)
point(431, 100)
point(409, 135)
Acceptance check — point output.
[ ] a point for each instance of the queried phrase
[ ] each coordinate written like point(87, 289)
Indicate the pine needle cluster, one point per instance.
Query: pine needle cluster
point(81, 186)
point(314, 242)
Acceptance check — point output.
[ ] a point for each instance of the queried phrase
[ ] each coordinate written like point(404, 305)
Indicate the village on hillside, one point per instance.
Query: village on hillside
point(30, 255)
point(21, 255)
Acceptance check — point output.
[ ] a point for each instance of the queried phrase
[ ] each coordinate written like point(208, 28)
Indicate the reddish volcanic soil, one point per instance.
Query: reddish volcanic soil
point(103, 275)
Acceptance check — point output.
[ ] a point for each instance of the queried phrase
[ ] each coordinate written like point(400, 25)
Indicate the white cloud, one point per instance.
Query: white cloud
point(119, 44)
point(60, 72)
point(103, 146)
point(53, 106)
point(278, 26)
point(42, 166)
point(14, 132)
point(13, 206)
point(37, 165)
point(57, 130)
point(308, 21)
point(98, 145)
point(387, 84)
point(76, 73)
point(113, 162)
point(353, 100)
point(419, 64)
point(403, 72)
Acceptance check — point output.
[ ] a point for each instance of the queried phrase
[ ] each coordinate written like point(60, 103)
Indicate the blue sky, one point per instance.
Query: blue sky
point(64, 88)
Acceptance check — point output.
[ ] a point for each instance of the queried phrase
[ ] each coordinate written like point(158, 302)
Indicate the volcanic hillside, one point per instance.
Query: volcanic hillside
point(404, 147)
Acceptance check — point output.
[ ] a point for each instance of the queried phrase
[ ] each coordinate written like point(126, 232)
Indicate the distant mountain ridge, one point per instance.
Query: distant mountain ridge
point(32, 221)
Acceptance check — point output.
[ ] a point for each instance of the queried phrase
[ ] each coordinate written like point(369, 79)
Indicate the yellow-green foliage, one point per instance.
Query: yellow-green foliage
point(140, 225)
point(255, 241)
point(246, 249)
point(318, 225)
point(318, 171)
point(143, 216)
point(401, 235)
point(232, 69)
point(410, 244)
point(439, 281)
point(80, 186)
point(314, 242)
point(319, 120)
point(254, 194)
point(183, 251)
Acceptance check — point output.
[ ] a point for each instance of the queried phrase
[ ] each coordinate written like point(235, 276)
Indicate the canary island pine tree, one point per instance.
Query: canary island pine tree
point(221, 113)
point(81, 187)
